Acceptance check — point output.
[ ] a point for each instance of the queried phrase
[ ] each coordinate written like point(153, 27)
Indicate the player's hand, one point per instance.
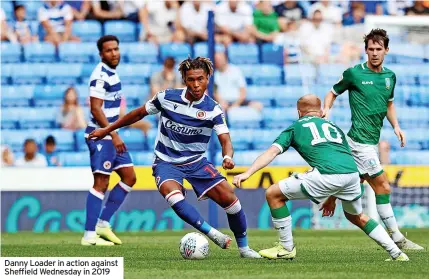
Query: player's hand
point(228, 164)
point(118, 144)
point(240, 178)
point(401, 136)
point(328, 207)
point(326, 113)
point(98, 134)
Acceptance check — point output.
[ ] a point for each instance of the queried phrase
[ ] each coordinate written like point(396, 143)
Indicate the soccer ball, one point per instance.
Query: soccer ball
point(194, 246)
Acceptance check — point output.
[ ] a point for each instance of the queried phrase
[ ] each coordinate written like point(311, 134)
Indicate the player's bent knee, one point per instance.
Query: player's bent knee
point(273, 193)
point(174, 197)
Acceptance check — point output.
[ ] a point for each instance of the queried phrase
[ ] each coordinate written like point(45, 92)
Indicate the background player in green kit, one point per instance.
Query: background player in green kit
point(371, 93)
point(334, 175)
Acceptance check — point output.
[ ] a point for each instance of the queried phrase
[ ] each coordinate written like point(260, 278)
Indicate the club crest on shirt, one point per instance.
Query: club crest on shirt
point(201, 114)
point(107, 165)
point(387, 83)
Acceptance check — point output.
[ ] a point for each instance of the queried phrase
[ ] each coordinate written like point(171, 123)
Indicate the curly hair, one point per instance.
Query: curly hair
point(197, 63)
point(377, 35)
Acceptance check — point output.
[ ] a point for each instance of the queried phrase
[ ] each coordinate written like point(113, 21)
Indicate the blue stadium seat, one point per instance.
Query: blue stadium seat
point(329, 74)
point(31, 8)
point(83, 94)
point(29, 73)
point(14, 138)
point(40, 52)
point(405, 74)
point(406, 53)
point(123, 29)
point(35, 27)
point(74, 159)
point(80, 140)
point(416, 117)
point(78, 52)
point(140, 52)
point(6, 73)
point(49, 95)
point(134, 73)
point(279, 118)
point(241, 139)
point(87, 70)
point(64, 73)
point(422, 73)
point(7, 7)
point(243, 53)
point(142, 158)
point(244, 117)
point(262, 94)
point(272, 54)
point(341, 116)
point(289, 158)
point(134, 139)
point(295, 74)
point(88, 30)
point(262, 74)
point(410, 157)
point(286, 96)
point(178, 51)
point(12, 96)
point(10, 53)
point(10, 117)
point(136, 95)
point(201, 49)
point(38, 118)
point(151, 137)
point(262, 139)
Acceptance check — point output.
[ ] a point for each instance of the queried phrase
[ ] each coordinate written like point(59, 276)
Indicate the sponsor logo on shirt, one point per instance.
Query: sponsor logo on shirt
point(182, 129)
point(367, 82)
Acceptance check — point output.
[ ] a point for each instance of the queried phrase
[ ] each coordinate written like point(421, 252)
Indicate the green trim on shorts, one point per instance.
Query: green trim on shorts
point(304, 191)
point(377, 174)
point(280, 213)
point(362, 190)
point(382, 199)
point(370, 226)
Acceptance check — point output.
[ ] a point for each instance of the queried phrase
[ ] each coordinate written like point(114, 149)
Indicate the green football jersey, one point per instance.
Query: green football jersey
point(369, 93)
point(321, 143)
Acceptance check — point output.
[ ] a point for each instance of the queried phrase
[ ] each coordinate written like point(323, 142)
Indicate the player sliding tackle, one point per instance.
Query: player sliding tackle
point(333, 175)
point(187, 119)
point(371, 92)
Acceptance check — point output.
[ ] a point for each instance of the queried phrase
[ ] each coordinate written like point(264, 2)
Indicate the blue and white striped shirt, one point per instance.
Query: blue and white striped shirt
point(184, 128)
point(56, 15)
point(105, 84)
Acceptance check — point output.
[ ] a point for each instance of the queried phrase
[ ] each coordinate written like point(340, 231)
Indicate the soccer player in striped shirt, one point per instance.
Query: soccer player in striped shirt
point(187, 119)
point(109, 154)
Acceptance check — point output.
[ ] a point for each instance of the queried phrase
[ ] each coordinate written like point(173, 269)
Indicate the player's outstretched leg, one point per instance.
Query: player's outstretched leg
point(381, 187)
point(282, 223)
point(114, 201)
point(224, 196)
point(171, 190)
point(353, 212)
point(93, 208)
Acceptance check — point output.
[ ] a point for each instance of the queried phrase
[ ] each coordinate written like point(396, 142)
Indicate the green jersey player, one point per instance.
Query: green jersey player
point(371, 92)
point(333, 175)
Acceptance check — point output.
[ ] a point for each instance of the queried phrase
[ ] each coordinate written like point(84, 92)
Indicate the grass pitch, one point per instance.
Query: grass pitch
point(320, 254)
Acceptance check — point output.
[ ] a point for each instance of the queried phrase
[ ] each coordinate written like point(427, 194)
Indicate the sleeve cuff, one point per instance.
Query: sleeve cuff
point(221, 129)
point(96, 94)
point(391, 99)
point(150, 108)
point(333, 91)
point(278, 146)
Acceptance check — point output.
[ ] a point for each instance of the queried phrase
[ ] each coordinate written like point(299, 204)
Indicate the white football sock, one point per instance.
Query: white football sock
point(382, 238)
point(89, 235)
point(386, 214)
point(103, 223)
point(284, 227)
